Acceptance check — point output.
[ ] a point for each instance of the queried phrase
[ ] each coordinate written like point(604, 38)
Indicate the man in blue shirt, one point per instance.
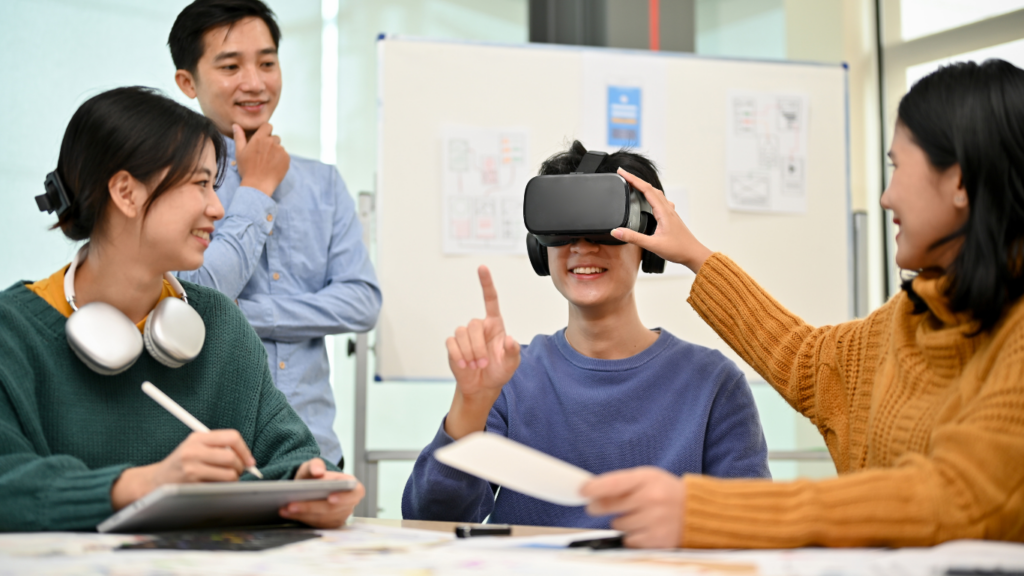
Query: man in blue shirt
point(604, 393)
point(289, 249)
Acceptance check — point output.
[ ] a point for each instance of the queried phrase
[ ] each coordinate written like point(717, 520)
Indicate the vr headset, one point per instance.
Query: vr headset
point(561, 209)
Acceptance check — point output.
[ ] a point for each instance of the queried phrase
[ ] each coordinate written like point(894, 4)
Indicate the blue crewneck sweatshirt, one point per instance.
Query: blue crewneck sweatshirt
point(676, 405)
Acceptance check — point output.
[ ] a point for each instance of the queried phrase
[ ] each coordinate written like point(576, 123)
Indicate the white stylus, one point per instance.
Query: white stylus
point(181, 414)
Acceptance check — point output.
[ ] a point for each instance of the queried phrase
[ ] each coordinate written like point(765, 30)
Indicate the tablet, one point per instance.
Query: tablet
point(213, 504)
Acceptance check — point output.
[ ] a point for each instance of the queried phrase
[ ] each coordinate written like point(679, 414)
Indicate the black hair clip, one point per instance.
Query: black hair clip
point(56, 197)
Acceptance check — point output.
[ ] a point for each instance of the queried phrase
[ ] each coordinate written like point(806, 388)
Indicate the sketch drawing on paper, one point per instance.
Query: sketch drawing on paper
point(483, 178)
point(766, 152)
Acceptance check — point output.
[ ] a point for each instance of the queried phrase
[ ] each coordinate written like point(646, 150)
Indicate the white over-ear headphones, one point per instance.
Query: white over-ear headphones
point(109, 343)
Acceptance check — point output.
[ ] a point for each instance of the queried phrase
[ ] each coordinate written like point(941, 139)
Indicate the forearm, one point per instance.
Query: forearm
point(439, 492)
point(775, 342)
point(236, 245)
point(54, 493)
point(336, 309)
point(872, 508)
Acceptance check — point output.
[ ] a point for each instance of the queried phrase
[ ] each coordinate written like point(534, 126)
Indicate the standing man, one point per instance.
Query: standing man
point(289, 249)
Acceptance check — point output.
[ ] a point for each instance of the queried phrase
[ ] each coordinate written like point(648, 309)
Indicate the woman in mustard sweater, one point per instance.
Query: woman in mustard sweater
point(921, 403)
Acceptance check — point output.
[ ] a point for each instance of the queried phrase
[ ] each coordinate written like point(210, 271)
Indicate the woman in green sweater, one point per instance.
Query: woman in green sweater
point(78, 438)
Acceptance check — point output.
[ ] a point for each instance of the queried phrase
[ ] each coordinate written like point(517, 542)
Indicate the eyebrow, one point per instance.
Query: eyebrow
point(203, 170)
point(227, 55)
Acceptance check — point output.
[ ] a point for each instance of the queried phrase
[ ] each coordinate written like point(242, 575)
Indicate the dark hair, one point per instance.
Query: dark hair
point(972, 115)
point(134, 129)
point(632, 162)
point(186, 38)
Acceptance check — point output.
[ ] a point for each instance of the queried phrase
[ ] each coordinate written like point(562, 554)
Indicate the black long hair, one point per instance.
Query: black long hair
point(972, 115)
point(134, 129)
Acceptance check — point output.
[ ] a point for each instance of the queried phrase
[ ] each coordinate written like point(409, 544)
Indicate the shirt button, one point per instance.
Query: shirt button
point(270, 217)
point(232, 162)
point(281, 365)
point(277, 276)
point(271, 233)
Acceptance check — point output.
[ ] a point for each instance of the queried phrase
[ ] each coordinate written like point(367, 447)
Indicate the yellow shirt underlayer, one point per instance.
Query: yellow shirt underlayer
point(52, 290)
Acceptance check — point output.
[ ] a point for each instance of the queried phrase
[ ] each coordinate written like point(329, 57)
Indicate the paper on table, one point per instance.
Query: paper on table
point(516, 467)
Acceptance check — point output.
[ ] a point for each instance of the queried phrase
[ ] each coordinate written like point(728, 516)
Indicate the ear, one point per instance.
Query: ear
point(127, 194)
point(956, 180)
point(186, 83)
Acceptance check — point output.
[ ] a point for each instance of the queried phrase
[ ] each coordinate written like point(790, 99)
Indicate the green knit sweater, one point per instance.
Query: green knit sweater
point(67, 433)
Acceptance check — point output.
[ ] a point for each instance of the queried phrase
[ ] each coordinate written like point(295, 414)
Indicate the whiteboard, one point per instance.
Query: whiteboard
point(424, 87)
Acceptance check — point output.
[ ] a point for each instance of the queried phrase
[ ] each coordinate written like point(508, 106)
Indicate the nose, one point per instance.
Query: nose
point(584, 246)
point(252, 80)
point(885, 200)
point(214, 208)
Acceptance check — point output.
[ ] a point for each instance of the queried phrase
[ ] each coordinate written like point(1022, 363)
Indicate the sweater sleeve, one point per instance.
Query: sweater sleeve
point(969, 483)
point(814, 369)
point(48, 492)
point(436, 491)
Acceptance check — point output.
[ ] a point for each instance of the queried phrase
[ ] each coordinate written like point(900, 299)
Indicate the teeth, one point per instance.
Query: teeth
point(587, 270)
point(202, 234)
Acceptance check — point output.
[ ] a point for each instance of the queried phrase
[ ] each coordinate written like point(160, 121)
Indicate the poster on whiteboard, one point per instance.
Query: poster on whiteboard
point(624, 103)
point(484, 174)
point(766, 152)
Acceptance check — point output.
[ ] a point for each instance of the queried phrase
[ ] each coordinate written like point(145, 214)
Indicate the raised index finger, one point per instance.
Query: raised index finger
point(490, 293)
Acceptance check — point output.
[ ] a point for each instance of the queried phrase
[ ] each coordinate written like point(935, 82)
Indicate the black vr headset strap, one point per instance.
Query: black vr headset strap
point(590, 162)
point(538, 255)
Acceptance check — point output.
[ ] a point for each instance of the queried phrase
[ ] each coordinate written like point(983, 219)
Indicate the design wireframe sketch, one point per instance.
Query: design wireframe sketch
point(484, 174)
point(766, 152)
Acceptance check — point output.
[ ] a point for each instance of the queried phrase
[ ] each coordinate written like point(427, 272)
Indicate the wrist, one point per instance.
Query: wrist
point(262, 185)
point(132, 484)
point(469, 413)
point(700, 256)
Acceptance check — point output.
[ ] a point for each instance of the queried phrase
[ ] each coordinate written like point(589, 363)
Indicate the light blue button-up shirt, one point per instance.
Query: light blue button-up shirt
point(298, 268)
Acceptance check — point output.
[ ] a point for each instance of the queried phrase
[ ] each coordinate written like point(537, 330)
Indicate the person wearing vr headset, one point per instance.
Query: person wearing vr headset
point(79, 439)
point(604, 393)
point(921, 403)
point(289, 249)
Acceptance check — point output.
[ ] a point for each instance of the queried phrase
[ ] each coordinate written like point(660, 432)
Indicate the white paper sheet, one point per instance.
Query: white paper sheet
point(516, 467)
point(766, 152)
point(483, 178)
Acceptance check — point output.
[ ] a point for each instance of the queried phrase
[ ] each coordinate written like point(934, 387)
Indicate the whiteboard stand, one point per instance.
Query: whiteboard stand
point(365, 462)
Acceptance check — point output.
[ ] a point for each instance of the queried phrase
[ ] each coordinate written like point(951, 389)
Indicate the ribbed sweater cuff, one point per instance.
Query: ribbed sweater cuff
point(864, 509)
point(80, 498)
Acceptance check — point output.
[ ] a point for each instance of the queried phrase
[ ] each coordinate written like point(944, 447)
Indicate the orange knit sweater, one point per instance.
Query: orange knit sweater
point(925, 424)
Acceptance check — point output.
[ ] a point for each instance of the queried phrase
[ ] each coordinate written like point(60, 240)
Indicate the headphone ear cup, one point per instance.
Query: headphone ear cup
point(174, 334)
point(651, 263)
point(538, 255)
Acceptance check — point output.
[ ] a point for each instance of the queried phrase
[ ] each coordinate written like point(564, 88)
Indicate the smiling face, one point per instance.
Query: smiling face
point(238, 78)
point(928, 205)
point(176, 230)
point(592, 276)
